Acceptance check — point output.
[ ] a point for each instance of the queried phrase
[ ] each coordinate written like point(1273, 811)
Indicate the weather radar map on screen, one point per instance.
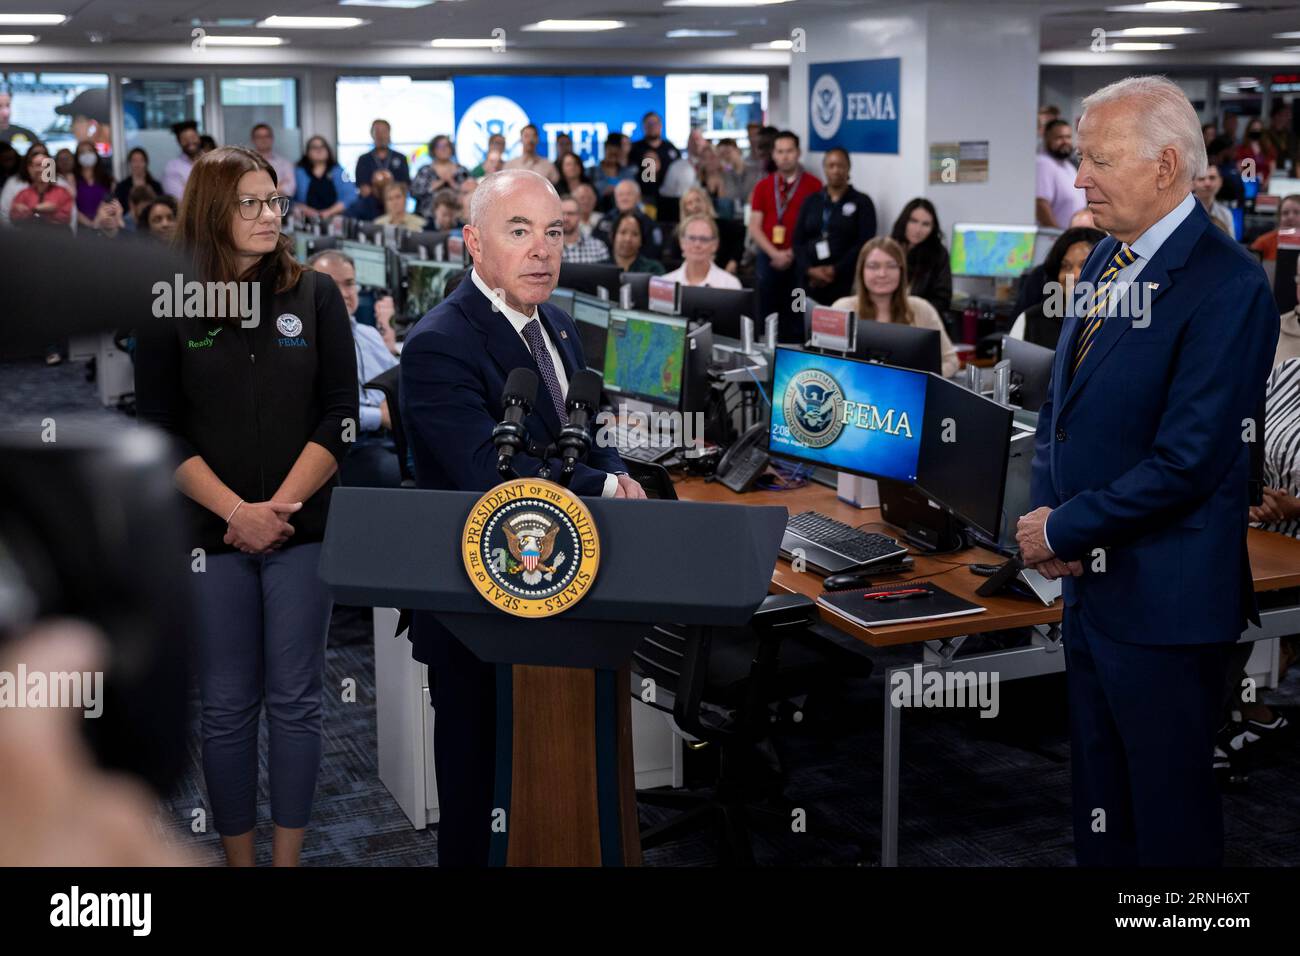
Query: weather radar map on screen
point(992, 250)
point(643, 356)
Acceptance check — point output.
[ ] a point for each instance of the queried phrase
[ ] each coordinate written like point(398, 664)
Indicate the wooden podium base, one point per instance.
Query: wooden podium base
point(564, 768)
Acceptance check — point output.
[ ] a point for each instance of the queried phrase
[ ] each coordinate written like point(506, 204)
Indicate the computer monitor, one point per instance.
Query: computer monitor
point(371, 233)
point(563, 300)
point(371, 263)
point(847, 414)
point(645, 355)
point(1031, 371)
point(591, 316)
point(588, 277)
point(964, 445)
point(425, 284)
point(425, 244)
point(696, 384)
point(317, 244)
point(997, 251)
point(905, 346)
point(1044, 239)
point(722, 308)
point(640, 283)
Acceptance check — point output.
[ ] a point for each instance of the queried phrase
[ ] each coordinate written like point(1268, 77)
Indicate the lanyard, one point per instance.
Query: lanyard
point(776, 194)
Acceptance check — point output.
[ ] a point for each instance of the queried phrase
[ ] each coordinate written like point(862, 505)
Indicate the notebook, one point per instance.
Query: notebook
point(934, 604)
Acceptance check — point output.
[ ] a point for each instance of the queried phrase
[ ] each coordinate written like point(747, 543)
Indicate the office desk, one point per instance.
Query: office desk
point(1274, 559)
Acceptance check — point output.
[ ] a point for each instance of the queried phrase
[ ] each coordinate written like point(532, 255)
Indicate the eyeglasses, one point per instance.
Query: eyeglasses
point(881, 267)
point(698, 240)
point(251, 208)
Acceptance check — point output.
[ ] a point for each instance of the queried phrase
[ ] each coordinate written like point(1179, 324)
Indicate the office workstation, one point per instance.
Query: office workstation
point(659, 441)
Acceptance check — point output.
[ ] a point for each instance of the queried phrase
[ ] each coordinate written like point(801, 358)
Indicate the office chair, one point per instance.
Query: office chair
point(386, 382)
point(728, 687)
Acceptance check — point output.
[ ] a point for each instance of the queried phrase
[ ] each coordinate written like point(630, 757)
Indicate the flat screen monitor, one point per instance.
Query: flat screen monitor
point(733, 112)
point(645, 356)
point(562, 299)
point(905, 346)
point(965, 440)
point(1031, 371)
point(589, 277)
point(425, 284)
point(847, 414)
point(721, 308)
point(371, 263)
point(591, 316)
point(425, 244)
point(1044, 239)
point(640, 283)
point(996, 251)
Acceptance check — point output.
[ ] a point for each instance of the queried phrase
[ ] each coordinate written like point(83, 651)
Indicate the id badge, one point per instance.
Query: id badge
point(778, 235)
point(823, 249)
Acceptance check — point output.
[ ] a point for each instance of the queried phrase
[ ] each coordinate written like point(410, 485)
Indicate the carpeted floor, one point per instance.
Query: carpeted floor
point(973, 792)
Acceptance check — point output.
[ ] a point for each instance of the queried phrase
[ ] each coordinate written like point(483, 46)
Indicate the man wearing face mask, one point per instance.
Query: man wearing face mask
point(177, 171)
point(1056, 199)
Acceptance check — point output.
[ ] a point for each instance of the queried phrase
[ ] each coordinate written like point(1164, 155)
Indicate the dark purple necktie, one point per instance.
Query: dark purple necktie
point(542, 356)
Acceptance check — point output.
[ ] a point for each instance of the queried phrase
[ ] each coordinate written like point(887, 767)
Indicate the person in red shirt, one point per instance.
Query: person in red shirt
point(42, 200)
point(1253, 149)
point(775, 205)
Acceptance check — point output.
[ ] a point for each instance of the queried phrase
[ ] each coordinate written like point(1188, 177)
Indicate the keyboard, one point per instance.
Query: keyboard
point(857, 546)
point(642, 445)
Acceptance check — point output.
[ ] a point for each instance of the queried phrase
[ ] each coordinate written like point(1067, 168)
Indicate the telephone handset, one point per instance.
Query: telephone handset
point(744, 461)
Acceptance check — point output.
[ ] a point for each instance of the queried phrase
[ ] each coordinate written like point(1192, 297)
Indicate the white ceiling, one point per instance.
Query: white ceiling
point(1066, 27)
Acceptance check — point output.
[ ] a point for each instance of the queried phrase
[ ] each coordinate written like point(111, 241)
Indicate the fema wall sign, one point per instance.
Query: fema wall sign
point(530, 548)
point(854, 105)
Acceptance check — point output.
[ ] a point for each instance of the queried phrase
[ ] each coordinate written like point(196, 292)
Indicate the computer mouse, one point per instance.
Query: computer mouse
point(842, 582)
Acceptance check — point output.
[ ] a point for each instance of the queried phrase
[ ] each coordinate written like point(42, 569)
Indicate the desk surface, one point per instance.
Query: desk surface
point(1274, 560)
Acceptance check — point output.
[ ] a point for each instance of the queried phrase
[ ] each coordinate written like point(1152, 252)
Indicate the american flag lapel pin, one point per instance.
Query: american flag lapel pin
point(563, 334)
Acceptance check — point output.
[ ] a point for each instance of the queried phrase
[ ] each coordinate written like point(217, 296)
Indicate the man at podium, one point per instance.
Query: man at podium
point(455, 362)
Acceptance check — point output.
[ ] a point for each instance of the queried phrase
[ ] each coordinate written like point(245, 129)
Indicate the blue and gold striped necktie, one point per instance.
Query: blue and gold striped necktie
point(1095, 312)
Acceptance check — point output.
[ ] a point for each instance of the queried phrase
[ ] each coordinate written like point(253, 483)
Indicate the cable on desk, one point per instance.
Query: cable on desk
point(750, 370)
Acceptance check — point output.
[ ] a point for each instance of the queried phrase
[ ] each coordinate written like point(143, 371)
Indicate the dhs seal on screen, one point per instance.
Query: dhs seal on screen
point(814, 408)
point(854, 105)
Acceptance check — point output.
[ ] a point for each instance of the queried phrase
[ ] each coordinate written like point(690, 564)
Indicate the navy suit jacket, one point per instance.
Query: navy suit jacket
point(454, 367)
point(1143, 452)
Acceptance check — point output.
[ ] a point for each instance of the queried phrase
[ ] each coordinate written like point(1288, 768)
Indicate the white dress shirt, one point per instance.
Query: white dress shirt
point(1144, 247)
point(716, 279)
point(517, 321)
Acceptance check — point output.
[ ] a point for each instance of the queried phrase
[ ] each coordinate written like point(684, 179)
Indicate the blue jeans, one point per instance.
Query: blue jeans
point(263, 624)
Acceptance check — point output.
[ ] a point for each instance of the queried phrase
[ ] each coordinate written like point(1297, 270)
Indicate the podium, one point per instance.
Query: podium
point(564, 786)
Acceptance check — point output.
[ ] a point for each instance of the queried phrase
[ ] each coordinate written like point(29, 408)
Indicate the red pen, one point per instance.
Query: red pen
point(885, 594)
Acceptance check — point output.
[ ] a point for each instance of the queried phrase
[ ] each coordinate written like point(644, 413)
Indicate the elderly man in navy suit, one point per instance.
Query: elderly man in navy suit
point(454, 366)
point(1140, 482)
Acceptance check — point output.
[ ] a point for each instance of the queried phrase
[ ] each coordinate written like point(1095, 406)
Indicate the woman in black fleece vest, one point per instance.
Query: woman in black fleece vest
point(261, 398)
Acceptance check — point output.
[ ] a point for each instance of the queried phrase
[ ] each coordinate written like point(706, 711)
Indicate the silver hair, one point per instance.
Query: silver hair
point(632, 182)
point(326, 254)
point(1165, 116)
point(492, 186)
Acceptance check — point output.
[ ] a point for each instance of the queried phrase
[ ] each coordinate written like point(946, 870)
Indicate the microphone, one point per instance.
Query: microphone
point(510, 435)
point(582, 403)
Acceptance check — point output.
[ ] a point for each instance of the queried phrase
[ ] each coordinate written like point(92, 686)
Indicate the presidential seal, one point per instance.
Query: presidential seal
point(814, 408)
point(530, 548)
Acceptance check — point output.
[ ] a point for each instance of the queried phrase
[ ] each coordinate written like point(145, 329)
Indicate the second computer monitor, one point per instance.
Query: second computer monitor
point(591, 316)
point(847, 414)
point(905, 346)
point(1031, 371)
point(590, 277)
point(963, 460)
point(721, 308)
point(371, 263)
point(992, 250)
point(645, 357)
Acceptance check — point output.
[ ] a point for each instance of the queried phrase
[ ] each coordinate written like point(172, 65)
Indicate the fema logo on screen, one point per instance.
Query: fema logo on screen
point(854, 105)
point(485, 118)
point(814, 408)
